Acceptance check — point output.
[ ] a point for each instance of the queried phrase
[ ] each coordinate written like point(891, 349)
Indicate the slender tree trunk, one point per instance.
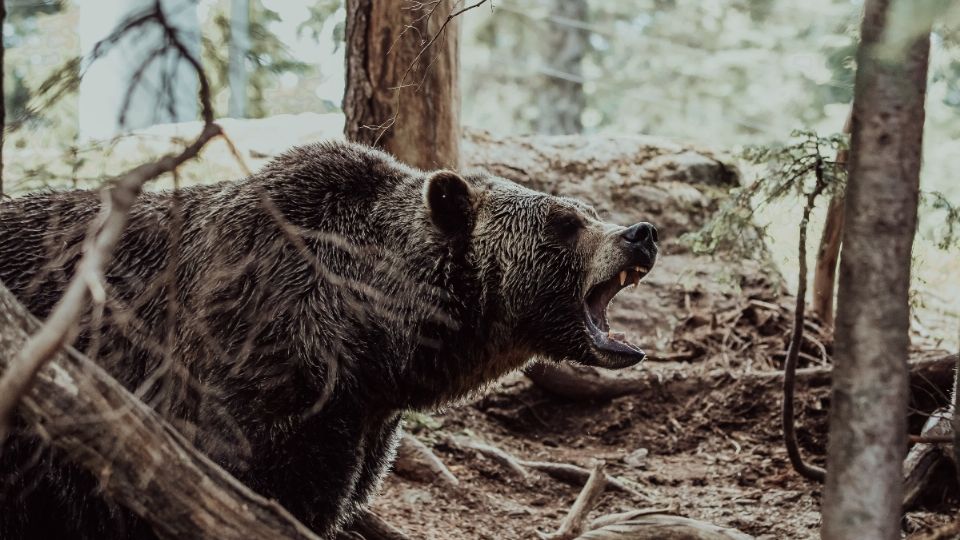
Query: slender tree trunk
point(863, 494)
point(403, 93)
point(825, 272)
point(561, 100)
point(3, 94)
point(239, 46)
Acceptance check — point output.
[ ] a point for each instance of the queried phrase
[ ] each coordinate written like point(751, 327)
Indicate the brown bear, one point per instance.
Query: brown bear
point(285, 321)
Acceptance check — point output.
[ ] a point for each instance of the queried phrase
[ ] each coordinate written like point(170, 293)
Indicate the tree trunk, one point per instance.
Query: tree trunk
point(239, 46)
point(3, 94)
point(141, 461)
point(825, 272)
point(402, 92)
point(863, 494)
point(561, 100)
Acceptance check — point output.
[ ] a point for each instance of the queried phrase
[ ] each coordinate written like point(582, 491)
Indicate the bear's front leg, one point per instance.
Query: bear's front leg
point(313, 472)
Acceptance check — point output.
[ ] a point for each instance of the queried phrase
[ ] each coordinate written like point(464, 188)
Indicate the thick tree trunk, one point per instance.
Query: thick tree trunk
point(142, 462)
point(825, 272)
point(403, 93)
point(239, 46)
point(863, 494)
point(561, 100)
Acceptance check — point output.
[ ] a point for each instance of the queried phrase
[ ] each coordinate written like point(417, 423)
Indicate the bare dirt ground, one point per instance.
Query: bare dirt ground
point(715, 454)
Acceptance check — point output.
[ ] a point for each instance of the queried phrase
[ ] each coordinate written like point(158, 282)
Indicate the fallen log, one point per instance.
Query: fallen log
point(576, 382)
point(140, 460)
point(655, 525)
point(925, 459)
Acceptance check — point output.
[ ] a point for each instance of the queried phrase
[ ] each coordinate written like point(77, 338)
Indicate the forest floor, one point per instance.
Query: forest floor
point(711, 450)
point(714, 454)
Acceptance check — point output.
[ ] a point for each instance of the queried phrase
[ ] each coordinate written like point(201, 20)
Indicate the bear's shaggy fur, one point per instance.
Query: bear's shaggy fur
point(283, 322)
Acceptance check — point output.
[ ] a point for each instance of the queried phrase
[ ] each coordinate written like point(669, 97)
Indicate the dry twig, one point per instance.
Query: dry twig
point(572, 525)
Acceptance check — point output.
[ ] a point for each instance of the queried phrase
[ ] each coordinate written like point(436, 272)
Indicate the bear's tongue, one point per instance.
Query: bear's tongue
point(600, 295)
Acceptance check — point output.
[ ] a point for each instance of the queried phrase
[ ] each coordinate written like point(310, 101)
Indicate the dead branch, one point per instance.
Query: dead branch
point(564, 472)
point(787, 418)
point(572, 525)
point(415, 461)
point(505, 460)
point(925, 457)
point(653, 524)
point(140, 460)
point(59, 329)
point(578, 476)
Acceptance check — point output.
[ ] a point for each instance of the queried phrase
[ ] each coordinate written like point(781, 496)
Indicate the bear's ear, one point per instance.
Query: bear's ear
point(449, 201)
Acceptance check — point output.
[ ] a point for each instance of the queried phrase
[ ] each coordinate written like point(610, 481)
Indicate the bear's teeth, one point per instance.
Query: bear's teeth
point(636, 281)
point(623, 277)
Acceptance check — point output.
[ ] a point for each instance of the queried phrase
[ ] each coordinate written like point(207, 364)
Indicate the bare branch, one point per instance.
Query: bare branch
point(61, 325)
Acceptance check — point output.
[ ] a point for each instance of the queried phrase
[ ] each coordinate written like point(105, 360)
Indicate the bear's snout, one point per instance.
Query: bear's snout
point(640, 233)
point(640, 242)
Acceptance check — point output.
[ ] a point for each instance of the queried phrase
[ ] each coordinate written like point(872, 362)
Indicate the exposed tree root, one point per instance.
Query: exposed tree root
point(370, 526)
point(415, 461)
point(564, 472)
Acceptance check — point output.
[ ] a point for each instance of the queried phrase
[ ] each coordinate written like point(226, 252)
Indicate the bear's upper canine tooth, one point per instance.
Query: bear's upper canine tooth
point(623, 277)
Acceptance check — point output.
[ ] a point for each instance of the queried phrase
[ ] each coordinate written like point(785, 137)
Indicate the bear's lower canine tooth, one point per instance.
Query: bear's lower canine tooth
point(636, 281)
point(623, 277)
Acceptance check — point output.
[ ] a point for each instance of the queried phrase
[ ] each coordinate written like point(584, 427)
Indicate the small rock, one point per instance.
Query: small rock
point(637, 458)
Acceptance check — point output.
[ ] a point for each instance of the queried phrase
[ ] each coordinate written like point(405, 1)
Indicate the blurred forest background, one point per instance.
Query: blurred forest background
point(725, 74)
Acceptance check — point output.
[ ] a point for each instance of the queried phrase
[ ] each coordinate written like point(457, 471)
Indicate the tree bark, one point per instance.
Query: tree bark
point(3, 94)
point(402, 92)
point(141, 461)
point(863, 494)
point(825, 271)
point(561, 100)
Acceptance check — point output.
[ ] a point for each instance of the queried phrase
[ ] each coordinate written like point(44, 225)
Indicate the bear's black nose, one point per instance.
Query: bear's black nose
point(642, 232)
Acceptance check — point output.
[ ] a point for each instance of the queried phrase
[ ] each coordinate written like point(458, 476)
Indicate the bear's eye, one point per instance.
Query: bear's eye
point(567, 226)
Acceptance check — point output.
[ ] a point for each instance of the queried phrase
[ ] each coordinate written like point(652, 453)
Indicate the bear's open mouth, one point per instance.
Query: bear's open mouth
point(595, 307)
